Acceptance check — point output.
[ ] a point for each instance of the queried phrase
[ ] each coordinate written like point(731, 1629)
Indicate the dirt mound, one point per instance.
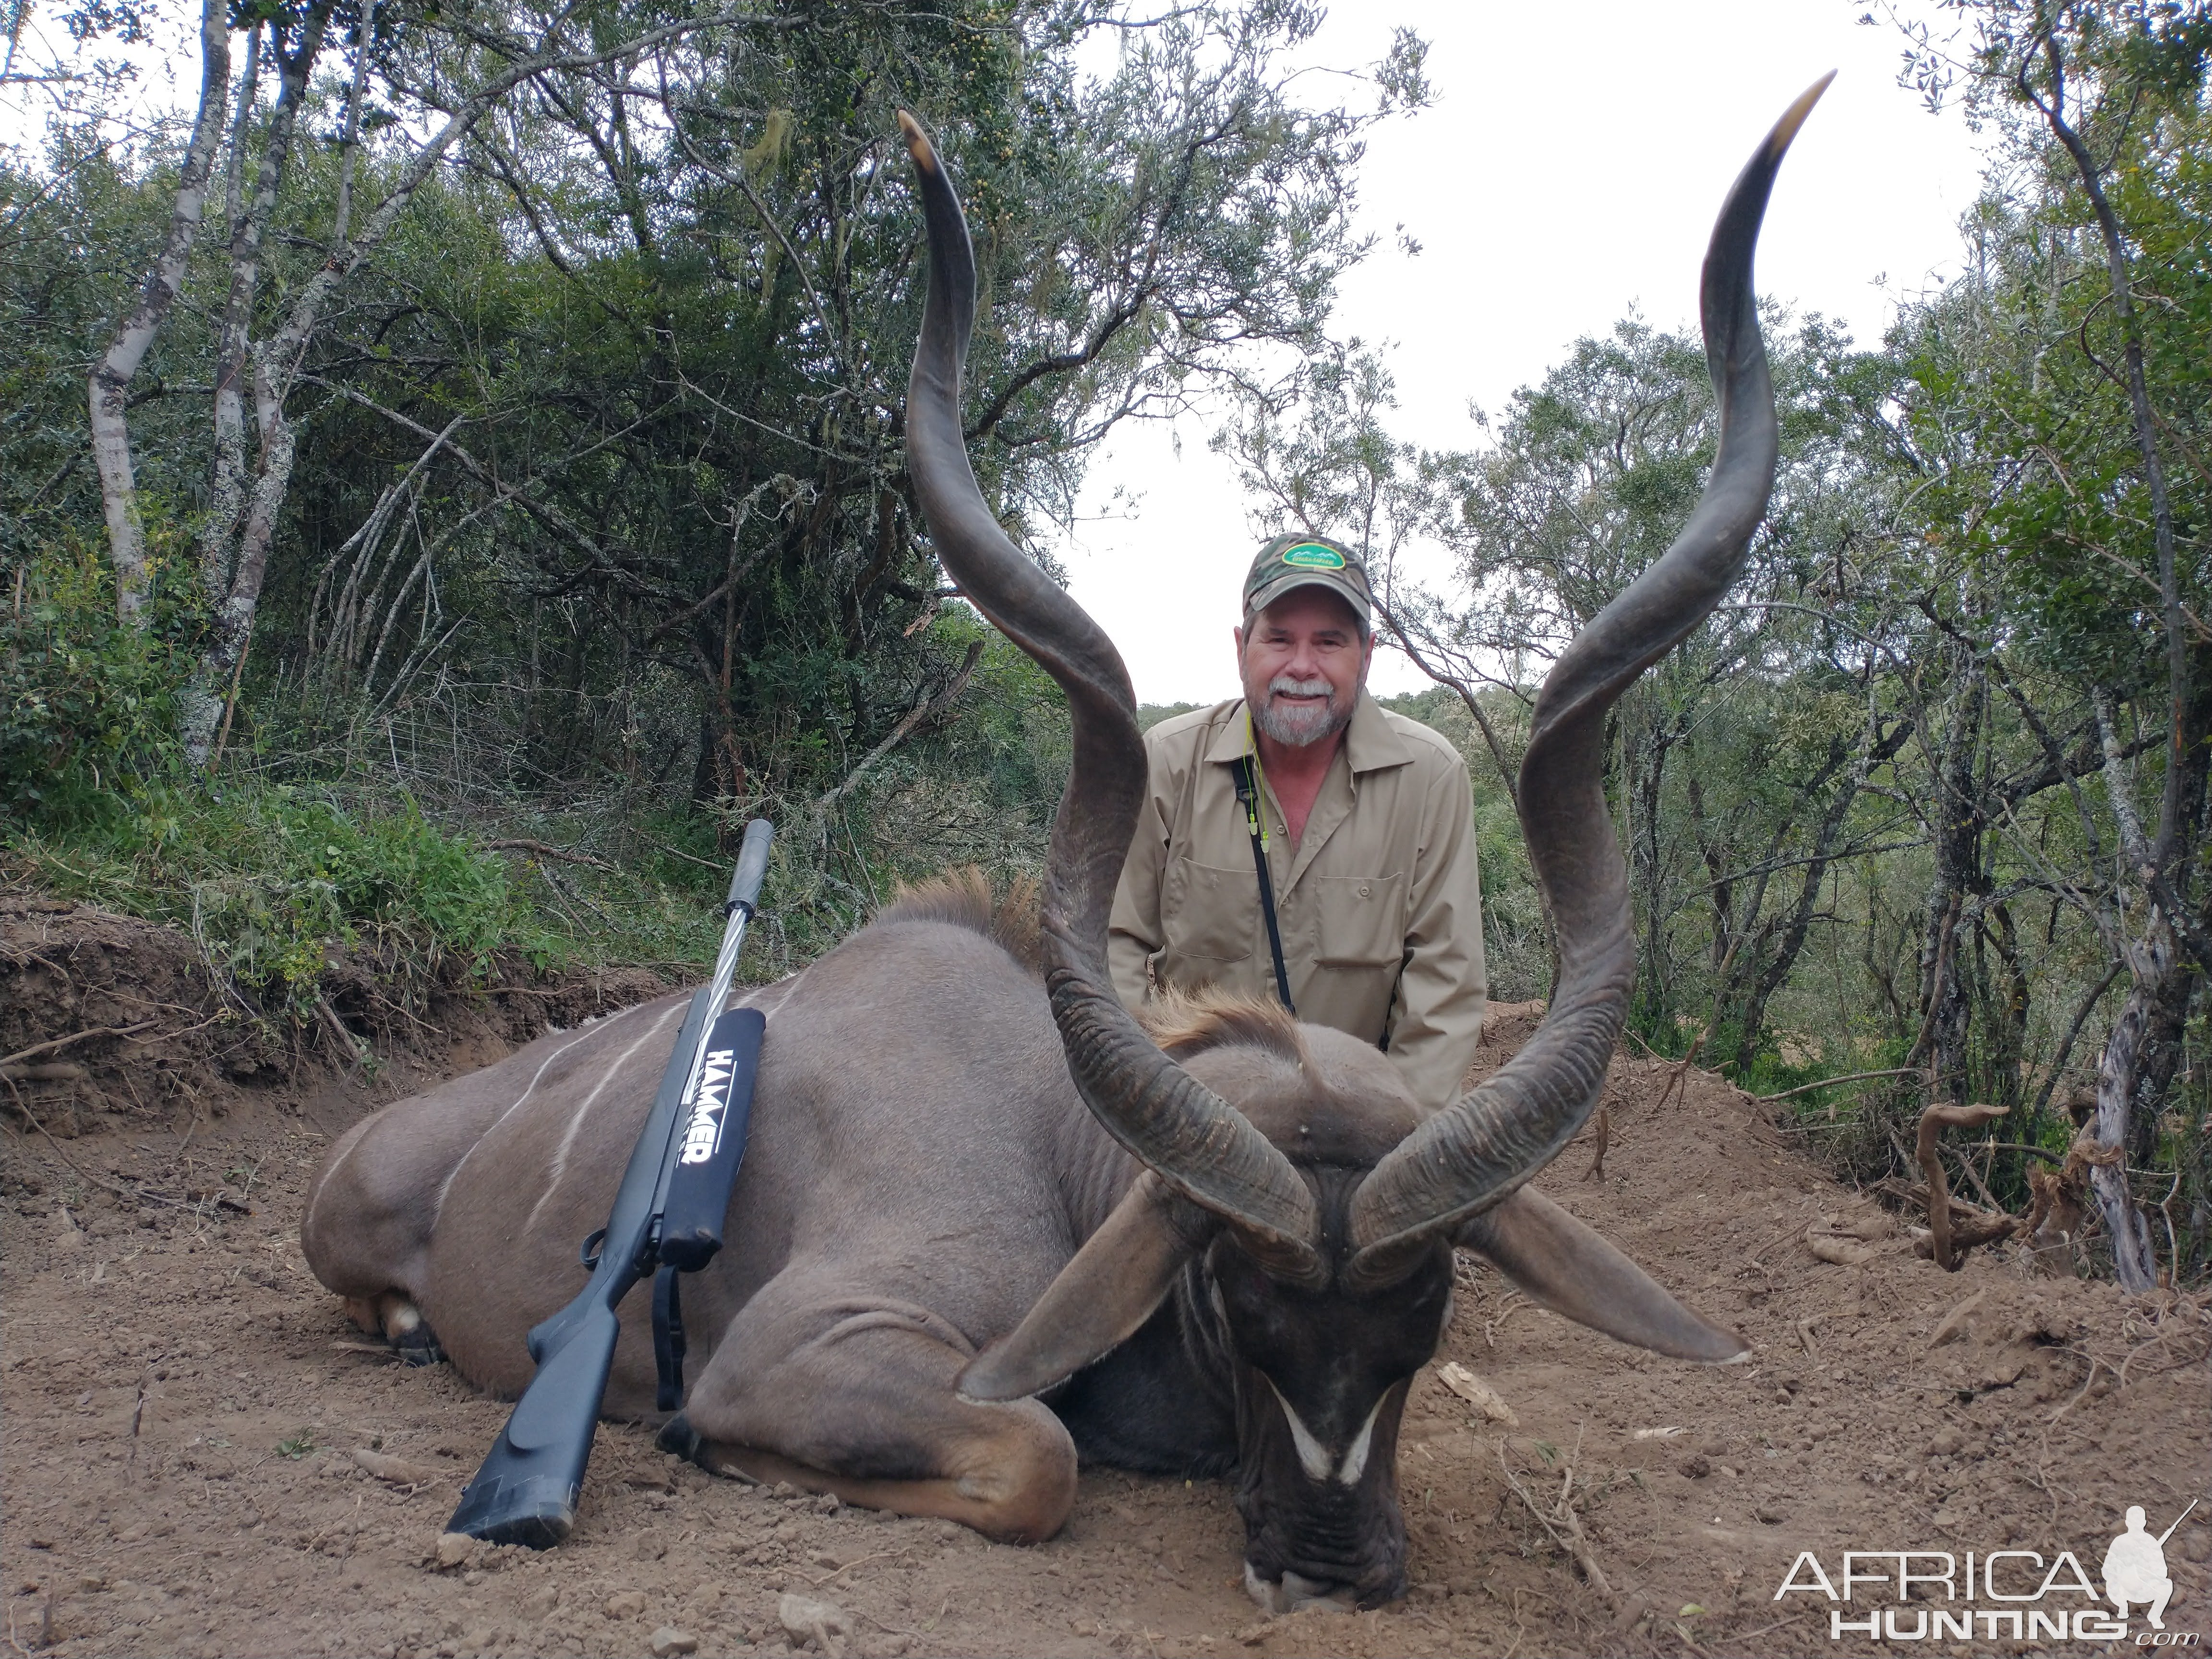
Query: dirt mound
point(107, 1017)
point(106, 1013)
point(203, 1457)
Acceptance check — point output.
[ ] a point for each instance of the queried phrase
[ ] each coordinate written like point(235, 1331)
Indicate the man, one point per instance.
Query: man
point(2135, 1568)
point(1368, 836)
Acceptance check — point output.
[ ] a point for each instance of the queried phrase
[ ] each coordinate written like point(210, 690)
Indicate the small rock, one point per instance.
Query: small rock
point(453, 1548)
point(1478, 1394)
point(626, 1604)
point(92, 1581)
point(668, 1640)
point(1697, 1466)
point(784, 1489)
point(541, 1601)
point(823, 1559)
point(1769, 1515)
point(1956, 1324)
point(649, 1547)
point(1947, 1443)
point(2002, 1370)
point(802, 1616)
point(398, 1470)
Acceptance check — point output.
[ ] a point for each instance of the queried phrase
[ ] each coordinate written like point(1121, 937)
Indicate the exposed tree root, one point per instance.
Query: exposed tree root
point(1949, 1238)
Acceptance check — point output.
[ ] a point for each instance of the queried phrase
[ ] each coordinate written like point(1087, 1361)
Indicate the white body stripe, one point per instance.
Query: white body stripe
point(583, 1110)
point(438, 1205)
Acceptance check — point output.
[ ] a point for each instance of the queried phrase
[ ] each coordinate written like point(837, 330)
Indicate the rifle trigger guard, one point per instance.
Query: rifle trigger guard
point(589, 1254)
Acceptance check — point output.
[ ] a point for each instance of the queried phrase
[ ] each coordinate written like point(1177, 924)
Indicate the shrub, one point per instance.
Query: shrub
point(87, 706)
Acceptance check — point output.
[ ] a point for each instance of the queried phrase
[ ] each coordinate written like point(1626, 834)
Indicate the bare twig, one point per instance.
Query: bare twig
point(1830, 1082)
point(1602, 1132)
point(74, 1038)
point(538, 848)
point(1574, 1542)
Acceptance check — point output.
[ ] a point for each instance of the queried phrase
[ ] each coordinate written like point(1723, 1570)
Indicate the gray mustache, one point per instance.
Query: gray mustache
point(1289, 687)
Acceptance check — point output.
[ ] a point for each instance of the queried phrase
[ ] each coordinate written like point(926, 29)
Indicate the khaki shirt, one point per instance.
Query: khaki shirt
point(1380, 907)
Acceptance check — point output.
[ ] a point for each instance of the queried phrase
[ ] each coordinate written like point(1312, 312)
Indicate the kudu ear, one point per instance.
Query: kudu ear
point(1573, 1272)
point(1100, 1298)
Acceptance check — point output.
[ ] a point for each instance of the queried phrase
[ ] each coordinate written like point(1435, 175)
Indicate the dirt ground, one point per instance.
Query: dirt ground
point(192, 1427)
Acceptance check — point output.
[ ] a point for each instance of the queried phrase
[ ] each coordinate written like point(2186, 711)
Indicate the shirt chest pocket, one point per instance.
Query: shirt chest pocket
point(1359, 921)
point(1209, 913)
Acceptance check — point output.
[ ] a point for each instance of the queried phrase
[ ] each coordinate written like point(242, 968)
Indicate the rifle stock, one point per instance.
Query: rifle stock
point(525, 1491)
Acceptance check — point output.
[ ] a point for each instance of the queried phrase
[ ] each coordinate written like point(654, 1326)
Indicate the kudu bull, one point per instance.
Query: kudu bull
point(991, 1223)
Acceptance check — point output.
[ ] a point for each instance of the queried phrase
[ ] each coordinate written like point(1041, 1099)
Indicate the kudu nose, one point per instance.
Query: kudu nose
point(1294, 1591)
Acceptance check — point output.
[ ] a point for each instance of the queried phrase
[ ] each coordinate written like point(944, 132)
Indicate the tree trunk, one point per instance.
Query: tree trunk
point(110, 381)
point(2140, 1058)
point(1946, 1009)
point(1790, 936)
point(228, 494)
point(2006, 1011)
point(233, 622)
point(1645, 759)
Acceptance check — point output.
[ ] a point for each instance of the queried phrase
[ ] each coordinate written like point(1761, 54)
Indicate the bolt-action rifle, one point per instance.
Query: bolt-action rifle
point(667, 1214)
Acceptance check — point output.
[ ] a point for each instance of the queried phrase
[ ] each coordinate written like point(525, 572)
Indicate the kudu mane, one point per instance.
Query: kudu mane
point(1184, 1024)
point(963, 899)
point(1188, 1024)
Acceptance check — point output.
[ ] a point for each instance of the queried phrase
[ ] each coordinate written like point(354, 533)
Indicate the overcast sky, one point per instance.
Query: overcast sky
point(1568, 171)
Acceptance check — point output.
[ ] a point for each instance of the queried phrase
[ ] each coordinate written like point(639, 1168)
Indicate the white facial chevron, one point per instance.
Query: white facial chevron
point(1314, 1458)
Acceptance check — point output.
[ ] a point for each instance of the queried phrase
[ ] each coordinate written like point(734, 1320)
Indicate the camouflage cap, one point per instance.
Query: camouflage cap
point(1294, 560)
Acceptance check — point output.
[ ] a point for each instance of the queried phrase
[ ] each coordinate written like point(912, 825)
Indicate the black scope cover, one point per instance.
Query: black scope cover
point(710, 1141)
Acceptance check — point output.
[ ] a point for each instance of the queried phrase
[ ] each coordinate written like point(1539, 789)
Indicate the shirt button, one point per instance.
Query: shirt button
point(1362, 890)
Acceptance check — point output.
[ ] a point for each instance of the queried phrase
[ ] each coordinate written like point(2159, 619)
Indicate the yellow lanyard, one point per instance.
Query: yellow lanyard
point(1255, 821)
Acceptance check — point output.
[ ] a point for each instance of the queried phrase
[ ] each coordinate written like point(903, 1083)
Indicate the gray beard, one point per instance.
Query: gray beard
point(1296, 728)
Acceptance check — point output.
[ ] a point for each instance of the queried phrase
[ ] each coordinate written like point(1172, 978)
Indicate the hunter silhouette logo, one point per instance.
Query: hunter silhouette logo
point(1924, 1589)
point(703, 1133)
point(2135, 1567)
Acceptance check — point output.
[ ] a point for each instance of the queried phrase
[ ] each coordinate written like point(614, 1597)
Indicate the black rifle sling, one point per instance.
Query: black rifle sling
point(1248, 796)
point(668, 1338)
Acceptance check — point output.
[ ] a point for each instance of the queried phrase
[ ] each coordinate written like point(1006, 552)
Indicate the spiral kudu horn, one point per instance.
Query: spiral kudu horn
point(1196, 1141)
point(1508, 1127)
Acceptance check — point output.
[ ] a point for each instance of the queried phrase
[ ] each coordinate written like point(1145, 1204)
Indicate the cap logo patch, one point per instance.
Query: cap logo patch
point(1311, 556)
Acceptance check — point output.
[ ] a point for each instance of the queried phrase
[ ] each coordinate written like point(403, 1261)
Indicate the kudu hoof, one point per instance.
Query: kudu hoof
point(679, 1439)
point(395, 1318)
